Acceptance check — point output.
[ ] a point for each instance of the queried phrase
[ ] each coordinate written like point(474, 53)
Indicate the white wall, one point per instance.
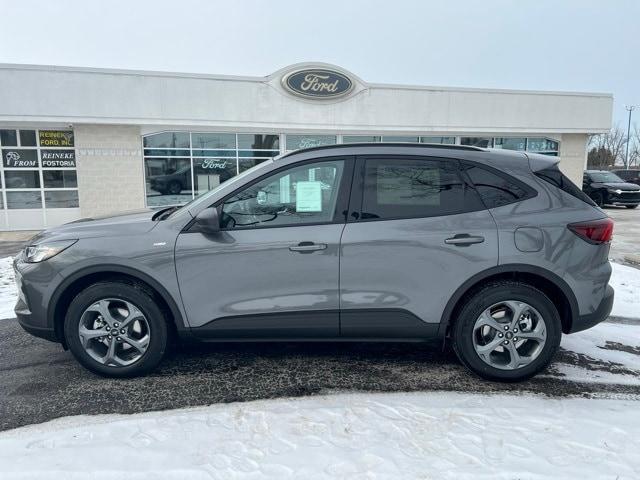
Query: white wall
point(75, 95)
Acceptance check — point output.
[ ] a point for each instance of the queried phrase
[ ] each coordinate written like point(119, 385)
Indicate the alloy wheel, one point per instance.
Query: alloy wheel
point(114, 332)
point(509, 335)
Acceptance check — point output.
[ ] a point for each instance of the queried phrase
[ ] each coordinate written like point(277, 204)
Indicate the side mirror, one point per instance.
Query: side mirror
point(208, 221)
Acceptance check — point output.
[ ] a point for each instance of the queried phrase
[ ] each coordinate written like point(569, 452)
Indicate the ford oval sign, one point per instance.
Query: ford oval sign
point(318, 83)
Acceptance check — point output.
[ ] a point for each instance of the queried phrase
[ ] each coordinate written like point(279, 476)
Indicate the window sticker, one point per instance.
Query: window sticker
point(309, 197)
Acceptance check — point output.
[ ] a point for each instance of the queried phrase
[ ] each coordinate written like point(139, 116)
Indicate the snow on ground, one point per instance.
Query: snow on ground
point(8, 290)
point(626, 282)
point(355, 436)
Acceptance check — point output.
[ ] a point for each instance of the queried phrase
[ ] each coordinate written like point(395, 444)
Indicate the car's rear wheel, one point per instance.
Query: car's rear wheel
point(631, 206)
point(116, 329)
point(507, 331)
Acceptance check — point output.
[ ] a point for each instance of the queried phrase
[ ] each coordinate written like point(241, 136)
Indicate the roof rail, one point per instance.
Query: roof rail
point(388, 144)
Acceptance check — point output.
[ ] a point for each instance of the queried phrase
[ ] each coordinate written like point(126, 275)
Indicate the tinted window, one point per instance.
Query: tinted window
point(22, 179)
point(8, 138)
point(303, 194)
point(495, 190)
point(405, 188)
point(59, 179)
point(61, 199)
point(28, 138)
point(556, 178)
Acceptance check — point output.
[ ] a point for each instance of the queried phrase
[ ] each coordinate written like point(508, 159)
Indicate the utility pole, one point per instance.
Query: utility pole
point(630, 109)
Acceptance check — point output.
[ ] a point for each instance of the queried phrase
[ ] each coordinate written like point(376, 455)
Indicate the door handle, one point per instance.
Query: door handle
point(308, 247)
point(463, 240)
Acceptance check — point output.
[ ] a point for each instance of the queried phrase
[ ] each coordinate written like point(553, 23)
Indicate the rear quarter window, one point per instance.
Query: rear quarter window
point(497, 188)
point(556, 178)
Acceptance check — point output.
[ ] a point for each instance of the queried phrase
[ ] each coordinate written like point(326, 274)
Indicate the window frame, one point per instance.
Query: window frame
point(340, 212)
point(357, 192)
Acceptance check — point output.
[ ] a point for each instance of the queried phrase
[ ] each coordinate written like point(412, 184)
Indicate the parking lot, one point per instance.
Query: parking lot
point(40, 381)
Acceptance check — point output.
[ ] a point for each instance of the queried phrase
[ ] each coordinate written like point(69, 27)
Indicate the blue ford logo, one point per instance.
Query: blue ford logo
point(318, 83)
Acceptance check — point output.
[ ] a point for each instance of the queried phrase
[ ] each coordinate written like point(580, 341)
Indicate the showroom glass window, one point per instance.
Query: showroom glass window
point(296, 142)
point(38, 169)
point(181, 165)
point(298, 195)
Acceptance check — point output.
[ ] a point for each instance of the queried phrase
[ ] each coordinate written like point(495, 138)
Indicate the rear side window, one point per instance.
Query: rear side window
point(409, 188)
point(496, 189)
point(555, 177)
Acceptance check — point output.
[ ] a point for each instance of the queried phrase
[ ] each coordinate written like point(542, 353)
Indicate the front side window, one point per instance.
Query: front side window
point(406, 188)
point(299, 195)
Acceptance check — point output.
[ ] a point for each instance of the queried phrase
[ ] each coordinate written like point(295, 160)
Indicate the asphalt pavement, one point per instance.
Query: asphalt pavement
point(39, 381)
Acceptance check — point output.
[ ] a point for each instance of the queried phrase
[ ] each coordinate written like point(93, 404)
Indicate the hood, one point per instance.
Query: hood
point(620, 186)
point(127, 223)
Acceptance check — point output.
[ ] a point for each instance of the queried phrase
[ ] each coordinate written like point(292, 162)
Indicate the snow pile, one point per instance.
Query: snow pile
point(607, 353)
point(423, 435)
point(8, 290)
point(626, 282)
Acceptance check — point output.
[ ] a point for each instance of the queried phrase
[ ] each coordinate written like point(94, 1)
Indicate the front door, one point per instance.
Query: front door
point(420, 233)
point(272, 271)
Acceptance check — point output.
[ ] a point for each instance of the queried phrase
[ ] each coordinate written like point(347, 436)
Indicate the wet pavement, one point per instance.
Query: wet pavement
point(39, 381)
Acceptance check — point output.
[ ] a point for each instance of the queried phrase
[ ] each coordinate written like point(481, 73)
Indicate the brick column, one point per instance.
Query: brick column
point(110, 171)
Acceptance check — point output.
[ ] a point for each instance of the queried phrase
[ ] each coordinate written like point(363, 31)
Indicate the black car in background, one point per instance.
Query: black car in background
point(607, 188)
point(631, 176)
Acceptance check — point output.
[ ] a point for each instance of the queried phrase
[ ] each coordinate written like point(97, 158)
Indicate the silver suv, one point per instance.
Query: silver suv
point(496, 252)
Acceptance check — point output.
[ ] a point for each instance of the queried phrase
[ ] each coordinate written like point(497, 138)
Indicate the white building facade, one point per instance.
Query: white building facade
point(80, 142)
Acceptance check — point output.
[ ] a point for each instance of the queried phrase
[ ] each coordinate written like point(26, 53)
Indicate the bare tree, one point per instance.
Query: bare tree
point(634, 147)
point(607, 149)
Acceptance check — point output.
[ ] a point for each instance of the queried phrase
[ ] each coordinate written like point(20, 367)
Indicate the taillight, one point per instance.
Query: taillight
point(594, 231)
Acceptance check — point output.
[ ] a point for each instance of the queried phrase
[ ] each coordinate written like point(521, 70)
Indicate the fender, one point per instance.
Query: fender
point(115, 268)
point(445, 320)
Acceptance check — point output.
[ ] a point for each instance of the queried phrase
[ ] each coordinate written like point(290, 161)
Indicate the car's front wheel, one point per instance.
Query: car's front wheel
point(632, 206)
point(598, 198)
point(116, 329)
point(507, 331)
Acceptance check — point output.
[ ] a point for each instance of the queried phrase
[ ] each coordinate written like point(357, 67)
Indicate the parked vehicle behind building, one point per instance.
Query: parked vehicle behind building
point(495, 251)
point(607, 188)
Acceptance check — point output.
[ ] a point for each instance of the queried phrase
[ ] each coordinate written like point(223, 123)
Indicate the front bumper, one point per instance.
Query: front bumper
point(624, 198)
point(30, 308)
point(583, 322)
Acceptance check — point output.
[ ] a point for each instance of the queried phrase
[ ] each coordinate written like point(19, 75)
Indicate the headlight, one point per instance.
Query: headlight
point(617, 191)
point(44, 251)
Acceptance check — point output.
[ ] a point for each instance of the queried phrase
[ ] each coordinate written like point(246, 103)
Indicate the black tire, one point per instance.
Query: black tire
point(174, 188)
point(631, 206)
point(139, 296)
point(495, 292)
point(598, 198)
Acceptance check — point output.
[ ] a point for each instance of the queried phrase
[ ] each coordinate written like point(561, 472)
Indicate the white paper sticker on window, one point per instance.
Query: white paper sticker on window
point(309, 197)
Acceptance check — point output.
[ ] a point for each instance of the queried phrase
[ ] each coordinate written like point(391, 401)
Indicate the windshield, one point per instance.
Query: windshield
point(205, 195)
point(604, 177)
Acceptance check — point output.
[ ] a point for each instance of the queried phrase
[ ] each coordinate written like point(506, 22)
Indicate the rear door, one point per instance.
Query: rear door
point(417, 231)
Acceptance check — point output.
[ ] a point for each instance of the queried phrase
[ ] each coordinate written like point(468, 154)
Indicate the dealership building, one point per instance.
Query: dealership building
point(81, 142)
